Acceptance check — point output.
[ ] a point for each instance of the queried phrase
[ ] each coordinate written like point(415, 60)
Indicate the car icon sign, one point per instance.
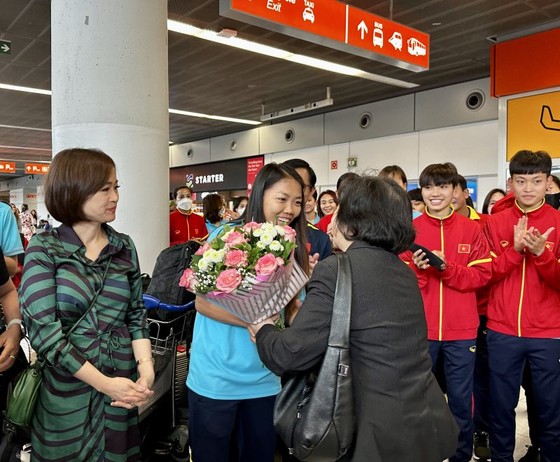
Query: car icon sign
point(308, 15)
point(396, 41)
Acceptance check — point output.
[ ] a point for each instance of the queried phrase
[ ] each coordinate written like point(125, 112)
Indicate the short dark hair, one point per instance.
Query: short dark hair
point(376, 210)
point(556, 180)
point(211, 206)
point(462, 182)
point(300, 163)
point(344, 177)
point(326, 192)
point(527, 162)
point(438, 175)
point(74, 176)
point(178, 188)
point(267, 177)
point(415, 195)
point(392, 171)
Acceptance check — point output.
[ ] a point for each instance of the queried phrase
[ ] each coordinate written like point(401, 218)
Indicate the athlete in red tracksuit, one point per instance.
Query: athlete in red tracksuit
point(524, 308)
point(450, 295)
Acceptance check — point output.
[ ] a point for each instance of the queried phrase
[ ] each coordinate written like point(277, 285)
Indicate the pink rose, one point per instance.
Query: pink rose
point(236, 258)
point(203, 248)
point(188, 280)
point(289, 234)
point(235, 238)
point(266, 265)
point(251, 225)
point(280, 261)
point(228, 280)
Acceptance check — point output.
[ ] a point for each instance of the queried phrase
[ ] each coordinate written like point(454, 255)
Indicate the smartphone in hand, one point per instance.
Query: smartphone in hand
point(433, 259)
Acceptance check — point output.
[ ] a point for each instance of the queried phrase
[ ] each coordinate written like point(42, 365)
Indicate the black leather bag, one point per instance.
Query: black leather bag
point(314, 412)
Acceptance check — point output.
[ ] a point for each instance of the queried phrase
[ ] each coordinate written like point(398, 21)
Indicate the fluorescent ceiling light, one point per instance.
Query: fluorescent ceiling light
point(172, 111)
point(247, 45)
point(214, 117)
point(26, 128)
point(27, 148)
point(5, 86)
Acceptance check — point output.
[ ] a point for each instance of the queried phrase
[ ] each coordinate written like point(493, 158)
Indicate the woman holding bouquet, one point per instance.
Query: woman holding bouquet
point(401, 414)
point(231, 393)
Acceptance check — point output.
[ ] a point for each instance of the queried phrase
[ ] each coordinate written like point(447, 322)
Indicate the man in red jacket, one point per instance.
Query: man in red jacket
point(450, 295)
point(524, 307)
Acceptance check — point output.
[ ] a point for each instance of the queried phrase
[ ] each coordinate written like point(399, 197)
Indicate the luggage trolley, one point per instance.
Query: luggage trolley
point(170, 335)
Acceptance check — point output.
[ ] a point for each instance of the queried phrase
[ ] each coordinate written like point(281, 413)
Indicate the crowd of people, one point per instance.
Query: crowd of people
point(453, 311)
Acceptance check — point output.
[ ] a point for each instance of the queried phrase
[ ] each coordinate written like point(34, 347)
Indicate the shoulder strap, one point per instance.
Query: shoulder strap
point(342, 307)
point(93, 301)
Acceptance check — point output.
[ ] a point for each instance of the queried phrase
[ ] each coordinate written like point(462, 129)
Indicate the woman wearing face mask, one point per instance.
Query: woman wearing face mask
point(239, 205)
point(184, 225)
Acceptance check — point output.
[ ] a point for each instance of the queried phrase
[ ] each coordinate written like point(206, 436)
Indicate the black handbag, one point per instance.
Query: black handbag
point(314, 412)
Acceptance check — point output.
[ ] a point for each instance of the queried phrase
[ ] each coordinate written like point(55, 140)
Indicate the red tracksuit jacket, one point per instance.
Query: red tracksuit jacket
point(450, 296)
point(525, 291)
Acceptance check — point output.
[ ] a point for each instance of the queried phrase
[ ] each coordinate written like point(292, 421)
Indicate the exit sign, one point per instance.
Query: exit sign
point(337, 25)
point(5, 47)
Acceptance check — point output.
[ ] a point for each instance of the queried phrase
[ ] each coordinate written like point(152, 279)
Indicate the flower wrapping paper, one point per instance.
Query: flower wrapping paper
point(265, 298)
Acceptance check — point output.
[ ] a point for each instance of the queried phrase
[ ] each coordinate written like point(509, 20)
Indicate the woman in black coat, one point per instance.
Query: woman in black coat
point(401, 413)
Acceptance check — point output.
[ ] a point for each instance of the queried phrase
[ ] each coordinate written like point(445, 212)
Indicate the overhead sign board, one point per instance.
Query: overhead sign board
point(337, 25)
point(36, 169)
point(215, 176)
point(7, 167)
point(5, 47)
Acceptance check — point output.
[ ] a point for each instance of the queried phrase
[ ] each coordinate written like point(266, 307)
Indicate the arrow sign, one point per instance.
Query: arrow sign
point(363, 29)
point(5, 47)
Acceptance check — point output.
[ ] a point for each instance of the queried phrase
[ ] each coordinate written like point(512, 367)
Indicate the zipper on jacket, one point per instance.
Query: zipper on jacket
point(441, 285)
point(520, 307)
point(521, 298)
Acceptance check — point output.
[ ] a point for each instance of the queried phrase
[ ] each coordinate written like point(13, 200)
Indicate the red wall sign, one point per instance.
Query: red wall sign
point(254, 164)
point(7, 167)
point(337, 25)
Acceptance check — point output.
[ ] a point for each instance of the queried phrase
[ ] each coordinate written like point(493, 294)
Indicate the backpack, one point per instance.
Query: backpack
point(169, 267)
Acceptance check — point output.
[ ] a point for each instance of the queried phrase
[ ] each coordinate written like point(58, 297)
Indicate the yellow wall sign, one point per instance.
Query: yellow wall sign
point(533, 122)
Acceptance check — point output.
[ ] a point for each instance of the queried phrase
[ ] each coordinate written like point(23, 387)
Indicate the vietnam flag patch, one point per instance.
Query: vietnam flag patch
point(464, 248)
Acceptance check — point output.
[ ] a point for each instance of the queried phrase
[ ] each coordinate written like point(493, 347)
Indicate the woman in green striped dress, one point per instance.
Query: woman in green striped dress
point(95, 379)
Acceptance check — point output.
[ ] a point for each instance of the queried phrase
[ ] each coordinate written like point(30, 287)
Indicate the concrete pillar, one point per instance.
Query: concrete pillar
point(110, 91)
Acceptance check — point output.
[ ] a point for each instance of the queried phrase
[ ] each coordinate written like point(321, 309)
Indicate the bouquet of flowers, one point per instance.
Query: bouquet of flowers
point(247, 270)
